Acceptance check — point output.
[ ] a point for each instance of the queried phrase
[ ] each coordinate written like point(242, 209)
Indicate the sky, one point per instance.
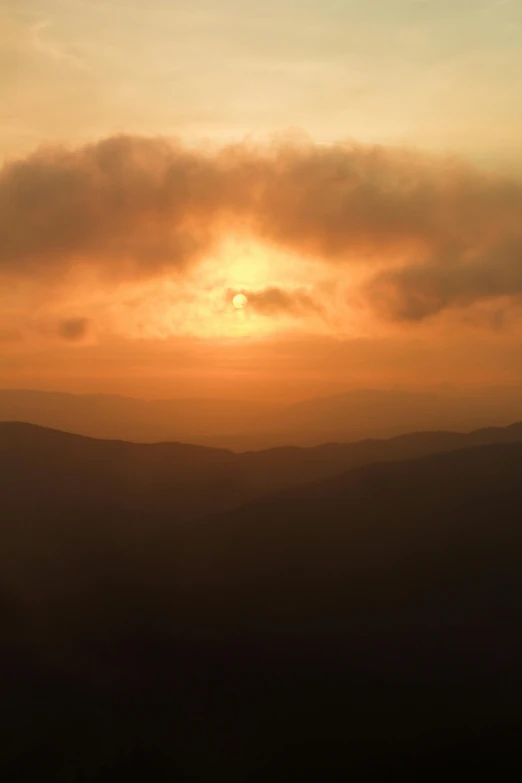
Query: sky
point(353, 168)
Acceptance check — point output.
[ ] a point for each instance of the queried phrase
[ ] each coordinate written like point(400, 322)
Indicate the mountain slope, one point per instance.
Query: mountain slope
point(183, 480)
point(368, 623)
point(392, 541)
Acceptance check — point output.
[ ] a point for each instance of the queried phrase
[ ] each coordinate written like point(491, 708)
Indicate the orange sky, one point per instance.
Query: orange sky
point(393, 258)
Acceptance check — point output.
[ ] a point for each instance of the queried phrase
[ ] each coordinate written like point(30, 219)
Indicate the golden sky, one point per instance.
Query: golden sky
point(352, 168)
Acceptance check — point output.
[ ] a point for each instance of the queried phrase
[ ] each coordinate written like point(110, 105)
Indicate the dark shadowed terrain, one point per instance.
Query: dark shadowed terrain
point(173, 612)
point(189, 481)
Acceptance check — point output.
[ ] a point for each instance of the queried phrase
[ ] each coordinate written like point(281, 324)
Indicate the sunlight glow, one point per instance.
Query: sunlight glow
point(240, 301)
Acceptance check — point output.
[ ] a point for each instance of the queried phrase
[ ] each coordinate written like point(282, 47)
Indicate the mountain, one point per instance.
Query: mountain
point(363, 625)
point(390, 599)
point(183, 480)
point(246, 425)
point(378, 413)
point(386, 541)
point(126, 418)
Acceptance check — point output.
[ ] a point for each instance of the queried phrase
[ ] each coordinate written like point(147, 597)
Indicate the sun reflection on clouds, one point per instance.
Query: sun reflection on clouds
point(200, 303)
point(285, 293)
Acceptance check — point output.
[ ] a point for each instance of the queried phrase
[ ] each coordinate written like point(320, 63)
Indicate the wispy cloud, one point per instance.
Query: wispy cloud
point(59, 53)
point(274, 300)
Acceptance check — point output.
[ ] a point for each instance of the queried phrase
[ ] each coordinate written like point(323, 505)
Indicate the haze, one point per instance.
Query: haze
point(353, 170)
point(260, 390)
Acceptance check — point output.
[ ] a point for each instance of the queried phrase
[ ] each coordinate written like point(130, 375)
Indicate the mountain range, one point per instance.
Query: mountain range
point(169, 610)
point(243, 425)
point(190, 481)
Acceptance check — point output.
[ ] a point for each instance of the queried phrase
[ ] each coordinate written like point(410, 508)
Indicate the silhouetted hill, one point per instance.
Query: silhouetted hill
point(367, 624)
point(242, 425)
point(184, 480)
point(383, 541)
point(392, 592)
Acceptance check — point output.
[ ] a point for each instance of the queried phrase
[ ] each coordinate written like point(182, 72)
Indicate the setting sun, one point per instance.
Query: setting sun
point(260, 388)
point(240, 301)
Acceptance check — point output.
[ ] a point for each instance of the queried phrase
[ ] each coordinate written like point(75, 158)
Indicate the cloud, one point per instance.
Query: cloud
point(274, 300)
point(60, 54)
point(74, 329)
point(417, 291)
point(430, 233)
point(128, 206)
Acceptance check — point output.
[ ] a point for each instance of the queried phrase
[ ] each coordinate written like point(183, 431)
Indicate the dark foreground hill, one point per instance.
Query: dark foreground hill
point(363, 626)
point(48, 467)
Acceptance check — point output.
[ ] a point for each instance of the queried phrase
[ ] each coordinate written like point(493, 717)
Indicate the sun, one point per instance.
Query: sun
point(240, 301)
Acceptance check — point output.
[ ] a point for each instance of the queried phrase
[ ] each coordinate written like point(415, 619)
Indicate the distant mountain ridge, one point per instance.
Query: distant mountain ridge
point(243, 425)
point(189, 480)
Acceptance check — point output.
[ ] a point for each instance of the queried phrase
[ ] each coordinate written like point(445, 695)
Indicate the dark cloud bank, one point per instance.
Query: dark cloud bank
point(450, 235)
